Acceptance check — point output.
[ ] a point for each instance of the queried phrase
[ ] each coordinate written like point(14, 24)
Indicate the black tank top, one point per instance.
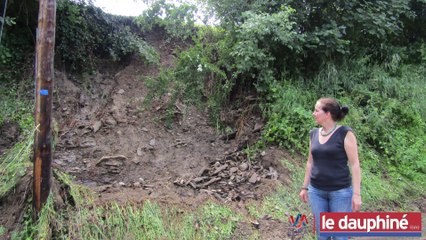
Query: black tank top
point(330, 169)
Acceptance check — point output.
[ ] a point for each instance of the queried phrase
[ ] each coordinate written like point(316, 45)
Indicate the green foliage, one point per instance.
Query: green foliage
point(201, 75)
point(6, 55)
point(2, 230)
point(203, 71)
point(271, 39)
point(399, 193)
point(118, 222)
point(259, 41)
point(82, 218)
point(85, 33)
point(42, 227)
point(269, 46)
point(79, 195)
point(145, 51)
point(280, 204)
point(14, 105)
point(217, 222)
point(422, 50)
point(14, 163)
point(229, 12)
point(289, 118)
point(13, 108)
point(177, 20)
point(396, 133)
point(386, 114)
point(329, 29)
point(288, 52)
point(14, 49)
point(9, 21)
point(166, 89)
point(87, 220)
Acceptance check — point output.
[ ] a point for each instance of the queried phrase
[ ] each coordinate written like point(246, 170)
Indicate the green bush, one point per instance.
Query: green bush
point(202, 74)
point(385, 113)
point(177, 20)
point(264, 42)
point(15, 105)
point(85, 33)
point(289, 116)
point(15, 51)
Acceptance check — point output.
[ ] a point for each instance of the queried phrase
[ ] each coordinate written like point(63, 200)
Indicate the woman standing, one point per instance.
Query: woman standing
point(328, 184)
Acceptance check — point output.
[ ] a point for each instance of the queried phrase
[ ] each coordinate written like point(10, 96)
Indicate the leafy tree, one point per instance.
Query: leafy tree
point(265, 44)
point(415, 32)
point(177, 20)
point(18, 39)
point(332, 29)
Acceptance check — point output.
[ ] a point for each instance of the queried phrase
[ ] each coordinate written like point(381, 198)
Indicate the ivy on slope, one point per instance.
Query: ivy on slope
point(85, 33)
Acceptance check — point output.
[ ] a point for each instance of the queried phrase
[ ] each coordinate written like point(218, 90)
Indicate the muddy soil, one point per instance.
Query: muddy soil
point(12, 206)
point(121, 148)
point(9, 133)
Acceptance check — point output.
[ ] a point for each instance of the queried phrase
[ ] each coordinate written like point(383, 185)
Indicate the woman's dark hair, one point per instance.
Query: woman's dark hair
point(331, 105)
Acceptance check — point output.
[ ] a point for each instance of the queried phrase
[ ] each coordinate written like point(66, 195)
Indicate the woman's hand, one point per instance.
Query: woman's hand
point(356, 203)
point(304, 195)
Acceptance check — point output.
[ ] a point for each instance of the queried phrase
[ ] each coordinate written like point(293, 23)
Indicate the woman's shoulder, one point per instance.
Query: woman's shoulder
point(345, 129)
point(312, 132)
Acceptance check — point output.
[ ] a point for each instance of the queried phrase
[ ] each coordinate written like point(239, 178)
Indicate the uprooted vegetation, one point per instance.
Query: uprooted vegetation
point(168, 130)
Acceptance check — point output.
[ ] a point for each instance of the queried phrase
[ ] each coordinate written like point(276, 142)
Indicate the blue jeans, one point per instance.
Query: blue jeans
point(329, 201)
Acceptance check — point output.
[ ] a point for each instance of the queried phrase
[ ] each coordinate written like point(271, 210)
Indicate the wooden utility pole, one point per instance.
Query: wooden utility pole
point(43, 99)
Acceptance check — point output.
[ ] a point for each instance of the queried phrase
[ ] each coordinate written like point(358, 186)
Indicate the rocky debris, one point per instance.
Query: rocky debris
point(272, 174)
point(229, 136)
point(83, 130)
point(231, 178)
point(74, 170)
point(88, 143)
point(96, 126)
point(112, 164)
point(140, 150)
point(148, 147)
point(258, 127)
point(179, 142)
point(110, 121)
point(66, 158)
point(68, 143)
point(116, 185)
point(254, 178)
point(112, 160)
point(136, 160)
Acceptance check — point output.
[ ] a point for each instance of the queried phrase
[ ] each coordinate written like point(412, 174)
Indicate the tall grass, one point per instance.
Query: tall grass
point(386, 113)
point(15, 106)
point(14, 162)
point(41, 228)
point(82, 218)
point(148, 221)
